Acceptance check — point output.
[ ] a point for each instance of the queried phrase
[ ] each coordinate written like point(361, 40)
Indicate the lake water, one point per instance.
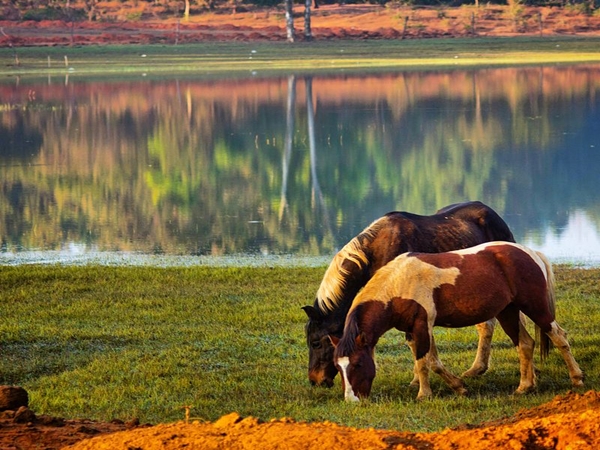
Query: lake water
point(288, 169)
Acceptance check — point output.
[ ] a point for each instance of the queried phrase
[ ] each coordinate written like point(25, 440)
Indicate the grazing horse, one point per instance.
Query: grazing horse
point(417, 291)
point(454, 227)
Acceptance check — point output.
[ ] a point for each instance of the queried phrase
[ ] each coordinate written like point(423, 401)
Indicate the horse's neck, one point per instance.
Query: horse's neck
point(373, 324)
point(342, 306)
point(354, 283)
point(344, 278)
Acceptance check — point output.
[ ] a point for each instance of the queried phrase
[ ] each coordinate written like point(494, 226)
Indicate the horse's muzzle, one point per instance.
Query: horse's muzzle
point(319, 379)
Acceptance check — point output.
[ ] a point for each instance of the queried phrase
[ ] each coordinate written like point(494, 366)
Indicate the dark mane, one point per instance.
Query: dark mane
point(347, 344)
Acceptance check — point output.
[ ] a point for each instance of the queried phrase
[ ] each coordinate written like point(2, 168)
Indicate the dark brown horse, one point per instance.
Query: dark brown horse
point(417, 291)
point(451, 228)
point(454, 227)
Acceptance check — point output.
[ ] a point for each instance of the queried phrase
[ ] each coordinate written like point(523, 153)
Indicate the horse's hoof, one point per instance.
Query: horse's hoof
point(474, 372)
point(462, 392)
point(525, 390)
point(423, 397)
point(577, 383)
point(414, 383)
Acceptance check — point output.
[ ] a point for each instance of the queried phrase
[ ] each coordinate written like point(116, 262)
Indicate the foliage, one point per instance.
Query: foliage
point(515, 12)
point(106, 11)
point(121, 342)
point(40, 14)
point(53, 12)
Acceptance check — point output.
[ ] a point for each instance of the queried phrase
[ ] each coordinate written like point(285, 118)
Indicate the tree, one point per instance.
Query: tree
point(289, 19)
point(307, 30)
point(186, 12)
point(90, 9)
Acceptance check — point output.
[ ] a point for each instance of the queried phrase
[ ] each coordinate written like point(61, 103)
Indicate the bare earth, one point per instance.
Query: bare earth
point(567, 422)
point(327, 23)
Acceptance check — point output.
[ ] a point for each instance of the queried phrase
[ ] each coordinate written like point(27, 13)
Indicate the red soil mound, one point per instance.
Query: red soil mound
point(567, 422)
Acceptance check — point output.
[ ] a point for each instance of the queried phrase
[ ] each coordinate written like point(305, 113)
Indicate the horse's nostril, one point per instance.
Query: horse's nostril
point(313, 383)
point(328, 383)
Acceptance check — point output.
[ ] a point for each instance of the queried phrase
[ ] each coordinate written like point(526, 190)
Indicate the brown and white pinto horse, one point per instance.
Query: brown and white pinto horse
point(417, 291)
point(451, 228)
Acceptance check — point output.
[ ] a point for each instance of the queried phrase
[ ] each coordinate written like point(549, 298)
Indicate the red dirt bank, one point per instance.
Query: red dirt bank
point(567, 422)
point(328, 22)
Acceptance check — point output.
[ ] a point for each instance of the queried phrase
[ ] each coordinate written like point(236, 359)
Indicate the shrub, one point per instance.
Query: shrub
point(53, 13)
point(40, 14)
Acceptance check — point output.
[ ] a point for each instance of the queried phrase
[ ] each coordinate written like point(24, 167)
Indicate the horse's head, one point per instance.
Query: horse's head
point(347, 273)
point(356, 366)
point(321, 370)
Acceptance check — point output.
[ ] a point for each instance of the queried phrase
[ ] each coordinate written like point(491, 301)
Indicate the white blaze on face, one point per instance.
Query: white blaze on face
point(349, 395)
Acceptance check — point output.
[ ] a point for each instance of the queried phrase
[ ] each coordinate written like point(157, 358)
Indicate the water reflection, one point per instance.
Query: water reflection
point(295, 165)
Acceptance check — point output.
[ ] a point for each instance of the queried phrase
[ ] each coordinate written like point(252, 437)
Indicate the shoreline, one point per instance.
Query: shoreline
point(134, 259)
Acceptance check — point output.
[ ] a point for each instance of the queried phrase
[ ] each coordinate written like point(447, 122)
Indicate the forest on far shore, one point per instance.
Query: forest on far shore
point(108, 10)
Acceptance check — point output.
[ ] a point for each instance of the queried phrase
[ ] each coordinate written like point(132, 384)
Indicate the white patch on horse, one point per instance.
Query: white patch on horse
point(349, 395)
point(407, 277)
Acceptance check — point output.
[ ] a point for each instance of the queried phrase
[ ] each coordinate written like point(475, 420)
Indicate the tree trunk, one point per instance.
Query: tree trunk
point(289, 20)
point(307, 31)
point(90, 9)
point(186, 12)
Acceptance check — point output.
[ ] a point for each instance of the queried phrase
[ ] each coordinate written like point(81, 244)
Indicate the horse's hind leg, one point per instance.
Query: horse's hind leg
point(511, 323)
point(525, 350)
point(482, 359)
point(558, 336)
point(450, 379)
point(411, 344)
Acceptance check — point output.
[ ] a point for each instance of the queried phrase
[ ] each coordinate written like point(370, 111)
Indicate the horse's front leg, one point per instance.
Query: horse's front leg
point(422, 372)
point(484, 347)
point(421, 365)
point(450, 379)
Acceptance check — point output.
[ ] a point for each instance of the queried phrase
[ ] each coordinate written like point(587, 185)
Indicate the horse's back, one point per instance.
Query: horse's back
point(457, 226)
point(486, 218)
point(489, 277)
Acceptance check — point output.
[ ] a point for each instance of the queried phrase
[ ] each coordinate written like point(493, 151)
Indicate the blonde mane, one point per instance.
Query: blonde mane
point(331, 290)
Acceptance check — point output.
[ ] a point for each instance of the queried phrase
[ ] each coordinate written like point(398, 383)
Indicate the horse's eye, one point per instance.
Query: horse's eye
point(315, 344)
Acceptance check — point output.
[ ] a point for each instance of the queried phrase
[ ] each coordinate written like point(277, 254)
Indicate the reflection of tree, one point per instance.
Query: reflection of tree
point(289, 140)
point(19, 143)
point(208, 167)
point(317, 194)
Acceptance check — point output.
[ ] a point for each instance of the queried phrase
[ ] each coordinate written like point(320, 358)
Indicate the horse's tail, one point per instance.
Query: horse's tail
point(542, 338)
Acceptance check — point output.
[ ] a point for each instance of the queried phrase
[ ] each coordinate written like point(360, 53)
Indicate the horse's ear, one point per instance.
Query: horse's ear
point(312, 313)
point(334, 340)
point(361, 340)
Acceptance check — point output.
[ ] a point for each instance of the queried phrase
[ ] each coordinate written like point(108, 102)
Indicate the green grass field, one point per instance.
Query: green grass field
point(249, 58)
point(120, 342)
